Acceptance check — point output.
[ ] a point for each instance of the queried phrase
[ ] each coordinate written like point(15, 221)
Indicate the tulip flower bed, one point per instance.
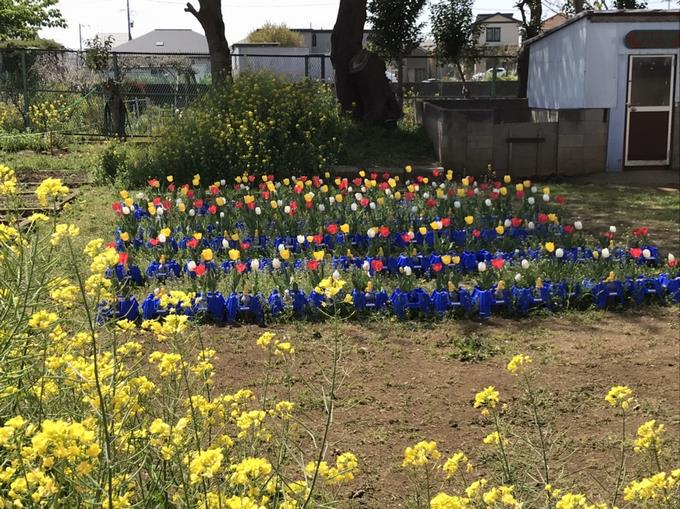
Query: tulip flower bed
point(417, 246)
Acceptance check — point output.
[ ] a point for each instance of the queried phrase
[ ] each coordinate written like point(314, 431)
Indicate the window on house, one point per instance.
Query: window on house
point(493, 34)
point(313, 40)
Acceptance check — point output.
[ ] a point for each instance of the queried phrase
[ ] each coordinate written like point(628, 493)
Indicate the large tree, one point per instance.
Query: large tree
point(395, 31)
point(22, 19)
point(360, 81)
point(531, 12)
point(209, 15)
point(456, 35)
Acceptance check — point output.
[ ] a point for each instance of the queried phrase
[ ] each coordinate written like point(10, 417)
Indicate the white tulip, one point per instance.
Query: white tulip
point(223, 182)
point(159, 211)
point(300, 239)
point(531, 200)
point(141, 196)
point(456, 204)
point(481, 267)
point(126, 210)
point(354, 207)
point(336, 275)
point(349, 189)
point(578, 225)
point(559, 253)
point(276, 264)
point(476, 189)
point(192, 212)
point(366, 266)
point(487, 202)
point(371, 233)
point(426, 196)
point(258, 211)
point(612, 229)
point(531, 225)
point(322, 207)
point(255, 265)
point(605, 253)
point(178, 201)
point(671, 257)
point(358, 196)
point(518, 277)
point(525, 264)
point(191, 265)
point(546, 197)
point(363, 189)
point(414, 209)
point(286, 209)
point(647, 254)
point(407, 270)
point(279, 203)
point(534, 189)
point(372, 205)
point(222, 215)
point(225, 243)
point(331, 199)
point(162, 238)
point(507, 223)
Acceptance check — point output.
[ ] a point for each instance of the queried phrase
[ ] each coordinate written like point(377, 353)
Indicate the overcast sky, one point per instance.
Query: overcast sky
point(240, 16)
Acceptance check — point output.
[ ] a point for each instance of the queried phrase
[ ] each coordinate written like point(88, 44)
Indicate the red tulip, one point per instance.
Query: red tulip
point(568, 228)
point(498, 263)
point(635, 252)
point(437, 266)
point(542, 218)
point(192, 243)
point(377, 265)
point(313, 264)
point(384, 231)
point(516, 222)
point(476, 233)
point(123, 258)
point(212, 209)
point(241, 267)
point(332, 228)
point(560, 199)
point(154, 242)
point(171, 188)
point(200, 269)
point(431, 203)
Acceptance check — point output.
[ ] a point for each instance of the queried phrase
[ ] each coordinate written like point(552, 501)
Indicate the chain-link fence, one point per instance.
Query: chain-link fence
point(80, 92)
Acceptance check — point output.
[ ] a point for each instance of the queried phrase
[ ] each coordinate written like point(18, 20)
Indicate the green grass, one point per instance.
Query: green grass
point(76, 158)
point(625, 207)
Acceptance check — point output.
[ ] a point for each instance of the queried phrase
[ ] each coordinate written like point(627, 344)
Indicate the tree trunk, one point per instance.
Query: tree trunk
point(210, 17)
point(360, 81)
point(466, 92)
point(578, 6)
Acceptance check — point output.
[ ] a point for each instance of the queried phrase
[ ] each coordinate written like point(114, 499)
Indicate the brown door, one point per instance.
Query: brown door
point(649, 109)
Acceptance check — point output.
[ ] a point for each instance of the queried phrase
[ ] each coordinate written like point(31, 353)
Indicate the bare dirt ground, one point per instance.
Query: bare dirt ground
point(406, 383)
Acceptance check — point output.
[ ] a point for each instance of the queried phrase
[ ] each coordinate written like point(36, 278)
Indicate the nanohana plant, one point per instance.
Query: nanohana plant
point(455, 483)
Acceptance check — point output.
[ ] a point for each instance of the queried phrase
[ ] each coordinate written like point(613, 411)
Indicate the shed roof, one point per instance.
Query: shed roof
point(167, 40)
point(623, 15)
point(483, 18)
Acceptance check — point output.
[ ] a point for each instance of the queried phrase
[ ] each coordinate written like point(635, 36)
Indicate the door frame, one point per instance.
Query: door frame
point(631, 109)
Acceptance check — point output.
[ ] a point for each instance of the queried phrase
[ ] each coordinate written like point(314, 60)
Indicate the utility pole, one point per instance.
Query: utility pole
point(128, 21)
point(80, 36)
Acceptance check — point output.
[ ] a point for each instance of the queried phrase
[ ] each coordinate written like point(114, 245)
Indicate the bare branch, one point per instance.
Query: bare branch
point(190, 8)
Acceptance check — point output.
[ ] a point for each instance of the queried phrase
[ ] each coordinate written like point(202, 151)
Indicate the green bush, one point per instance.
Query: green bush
point(259, 123)
point(123, 163)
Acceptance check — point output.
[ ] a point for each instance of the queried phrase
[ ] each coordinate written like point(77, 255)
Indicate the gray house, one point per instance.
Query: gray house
point(621, 67)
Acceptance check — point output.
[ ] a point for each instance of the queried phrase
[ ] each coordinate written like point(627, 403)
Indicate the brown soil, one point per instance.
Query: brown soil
point(404, 384)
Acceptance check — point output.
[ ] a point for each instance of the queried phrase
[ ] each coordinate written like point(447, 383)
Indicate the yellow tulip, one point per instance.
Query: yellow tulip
point(285, 254)
point(549, 247)
point(500, 230)
point(469, 220)
point(207, 255)
point(319, 255)
point(125, 236)
point(234, 254)
point(344, 228)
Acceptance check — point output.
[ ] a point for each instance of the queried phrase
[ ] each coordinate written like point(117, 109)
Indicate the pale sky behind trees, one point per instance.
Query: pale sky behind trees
point(240, 16)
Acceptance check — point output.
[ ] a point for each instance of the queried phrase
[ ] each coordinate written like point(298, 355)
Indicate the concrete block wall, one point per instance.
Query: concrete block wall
point(470, 139)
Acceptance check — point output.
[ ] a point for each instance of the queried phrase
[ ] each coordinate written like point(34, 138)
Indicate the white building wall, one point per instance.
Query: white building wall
point(585, 65)
point(557, 69)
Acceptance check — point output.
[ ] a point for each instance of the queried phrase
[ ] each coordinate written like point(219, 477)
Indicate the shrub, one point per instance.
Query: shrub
point(122, 162)
point(259, 123)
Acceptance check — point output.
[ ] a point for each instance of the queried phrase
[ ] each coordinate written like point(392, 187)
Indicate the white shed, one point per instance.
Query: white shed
point(625, 62)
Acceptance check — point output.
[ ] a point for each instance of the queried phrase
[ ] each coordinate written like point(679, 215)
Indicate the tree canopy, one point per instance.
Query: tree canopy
point(272, 32)
point(22, 19)
point(395, 30)
point(455, 32)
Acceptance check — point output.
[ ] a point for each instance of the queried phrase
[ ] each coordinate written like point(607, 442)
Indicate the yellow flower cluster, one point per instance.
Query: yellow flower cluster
point(62, 231)
point(50, 189)
point(346, 467)
point(487, 399)
point(281, 348)
point(620, 396)
point(423, 453)
point(453, 464)
point(661, 487)
point(8, 181)
point(519, 364)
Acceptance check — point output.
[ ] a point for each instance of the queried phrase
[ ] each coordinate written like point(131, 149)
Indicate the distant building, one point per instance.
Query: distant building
point(318, 40)
point(500, 35)
point(622, 63)
point(554, 21)
point(116, 38)
point(167, 40)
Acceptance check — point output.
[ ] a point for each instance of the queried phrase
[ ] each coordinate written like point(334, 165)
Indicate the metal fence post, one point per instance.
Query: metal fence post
point(323, 67)
point(306, 66)
point(24, 79)
point(116, 69)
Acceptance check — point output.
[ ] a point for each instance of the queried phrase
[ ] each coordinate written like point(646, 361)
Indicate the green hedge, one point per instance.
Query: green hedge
point(259, 123)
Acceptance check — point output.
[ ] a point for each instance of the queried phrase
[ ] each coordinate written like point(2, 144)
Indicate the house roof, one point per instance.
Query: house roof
point(482, 18)
point(624, 15)
point(167, 40)
point(554, 21)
